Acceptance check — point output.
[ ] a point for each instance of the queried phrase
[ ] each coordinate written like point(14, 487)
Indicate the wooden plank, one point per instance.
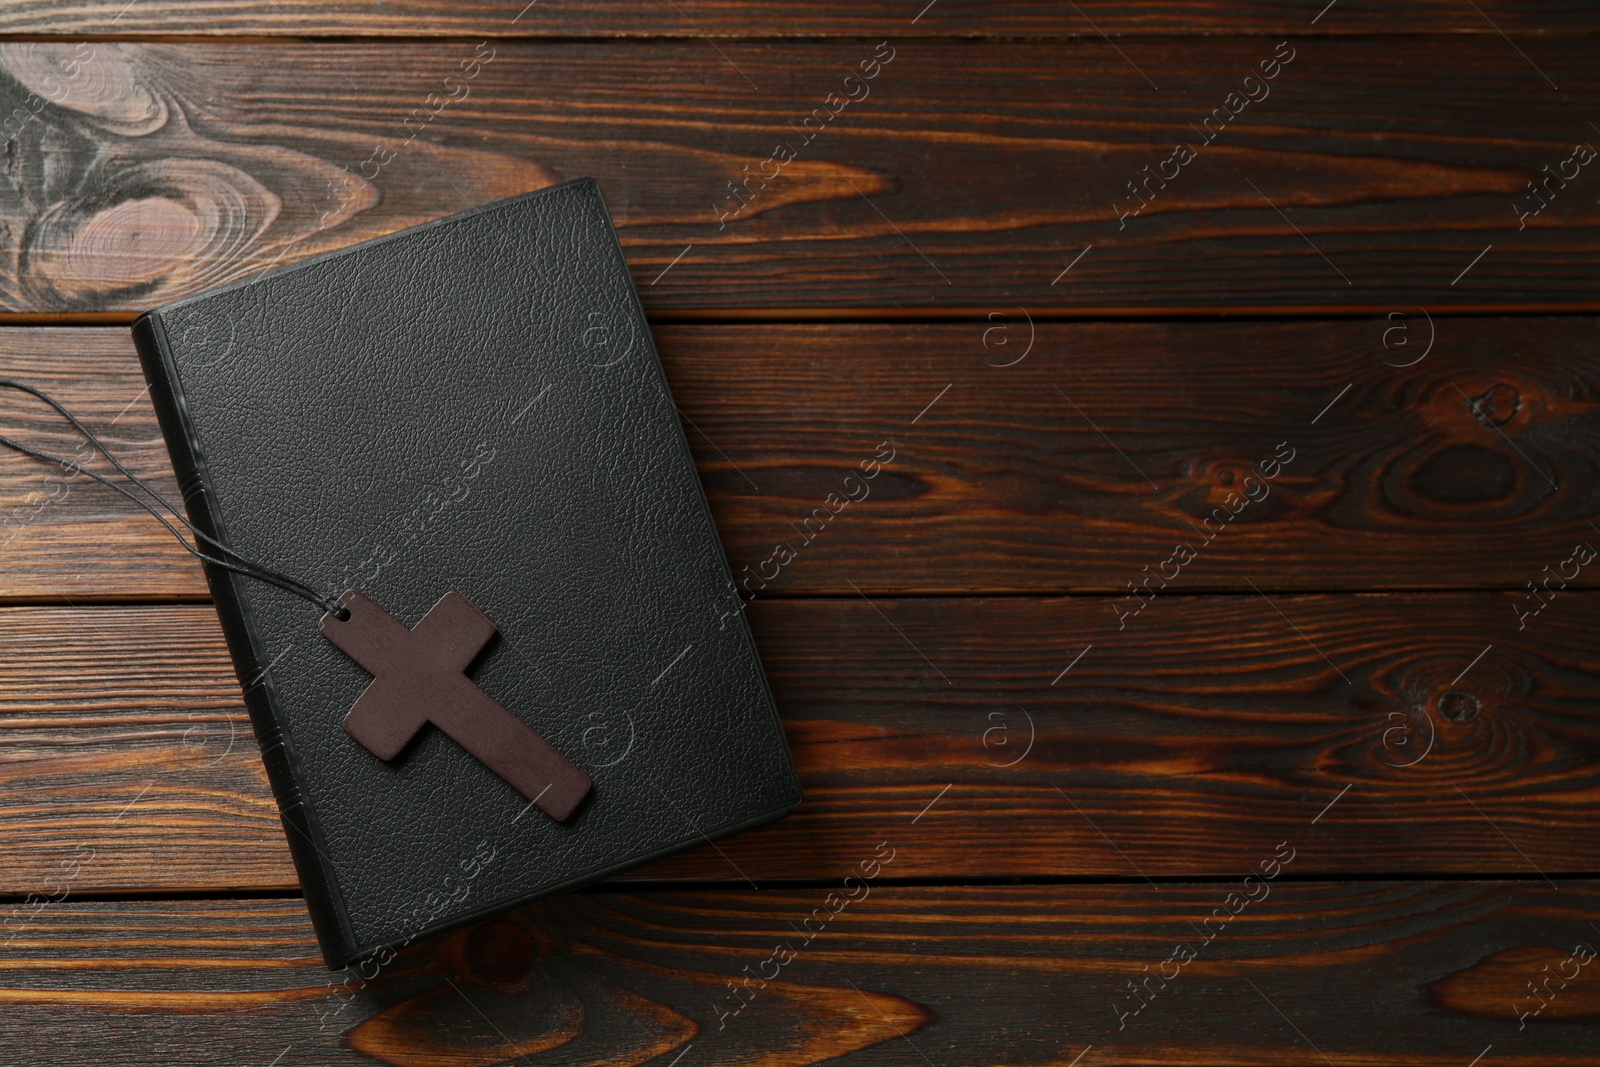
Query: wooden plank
point(809, 18)
point(1403, 973)
point(950, 187)
point(1029, 477)
point(62, 536)
point(1433, 738)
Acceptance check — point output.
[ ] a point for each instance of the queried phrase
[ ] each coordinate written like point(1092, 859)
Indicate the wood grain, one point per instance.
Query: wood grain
point(1366, 692)
point(1028, 477)
point(1433, 738)
point(162, 169)
point(809, 18)
point(1404, 973)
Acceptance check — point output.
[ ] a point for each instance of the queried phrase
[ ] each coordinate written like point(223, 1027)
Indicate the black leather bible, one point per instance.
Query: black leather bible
point(471, 407)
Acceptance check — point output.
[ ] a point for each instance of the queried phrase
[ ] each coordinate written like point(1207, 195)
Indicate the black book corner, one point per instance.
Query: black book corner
point(528, 671)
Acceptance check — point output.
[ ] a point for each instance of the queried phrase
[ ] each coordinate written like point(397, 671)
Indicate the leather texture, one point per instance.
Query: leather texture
point(475, 405)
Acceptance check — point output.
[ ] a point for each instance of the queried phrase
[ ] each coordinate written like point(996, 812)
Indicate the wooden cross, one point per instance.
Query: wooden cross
point(418, 677)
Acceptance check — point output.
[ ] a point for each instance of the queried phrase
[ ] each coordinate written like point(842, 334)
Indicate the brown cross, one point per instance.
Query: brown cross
point(417, 678)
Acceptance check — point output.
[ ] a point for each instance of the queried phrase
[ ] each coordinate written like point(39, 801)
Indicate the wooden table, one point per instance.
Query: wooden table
point(1210, 676)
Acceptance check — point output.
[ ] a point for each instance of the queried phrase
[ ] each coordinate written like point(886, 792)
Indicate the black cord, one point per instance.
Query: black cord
point(238, 564)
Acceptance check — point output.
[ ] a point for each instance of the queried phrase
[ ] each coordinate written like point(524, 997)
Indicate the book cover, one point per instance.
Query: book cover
point(473, 406)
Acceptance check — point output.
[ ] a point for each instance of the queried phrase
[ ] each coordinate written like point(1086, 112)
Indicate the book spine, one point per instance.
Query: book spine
point(317, 880)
